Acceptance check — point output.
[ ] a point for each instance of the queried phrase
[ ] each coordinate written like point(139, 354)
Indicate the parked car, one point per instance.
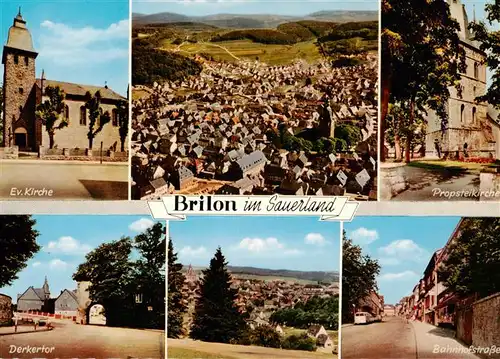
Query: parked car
point(363, 318)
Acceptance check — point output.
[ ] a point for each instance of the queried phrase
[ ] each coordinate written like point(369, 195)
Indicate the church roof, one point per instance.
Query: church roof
point(19, 35)
point(81, 90)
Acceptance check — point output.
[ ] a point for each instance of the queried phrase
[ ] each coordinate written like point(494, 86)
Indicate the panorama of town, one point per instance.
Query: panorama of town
point(226, 122)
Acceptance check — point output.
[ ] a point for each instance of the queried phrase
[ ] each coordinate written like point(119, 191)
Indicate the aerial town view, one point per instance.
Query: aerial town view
point(416, 287)
point(236, 290)
point(77, 286)
point(440, 138)
point(63, 100)
point(254, 98)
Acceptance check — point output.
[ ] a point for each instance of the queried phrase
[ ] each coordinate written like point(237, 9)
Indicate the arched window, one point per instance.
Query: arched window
point(476, 70)
point(474, 92)
point(462, 110)
point(83, 116)
point(16, 59)
point(66, 113)
point(474, 115)
point(114, 117)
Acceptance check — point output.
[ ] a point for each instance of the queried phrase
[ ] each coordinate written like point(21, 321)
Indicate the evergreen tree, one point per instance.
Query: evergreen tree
point(216, 317)
point(176, 301)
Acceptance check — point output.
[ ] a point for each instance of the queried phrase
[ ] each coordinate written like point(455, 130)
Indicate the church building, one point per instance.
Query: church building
point(23, 92)
point(470, 124)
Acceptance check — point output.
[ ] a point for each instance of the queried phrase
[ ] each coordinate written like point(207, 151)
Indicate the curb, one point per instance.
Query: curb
point(28, 332)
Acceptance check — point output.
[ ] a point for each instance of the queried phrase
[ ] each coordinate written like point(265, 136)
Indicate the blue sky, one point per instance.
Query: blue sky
point(65, 240)
point(279, 7)
point(296, 243)
point(78, 41)
point(403, 246)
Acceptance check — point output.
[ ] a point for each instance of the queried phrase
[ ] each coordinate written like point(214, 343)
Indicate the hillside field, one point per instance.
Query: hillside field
point(231, 51)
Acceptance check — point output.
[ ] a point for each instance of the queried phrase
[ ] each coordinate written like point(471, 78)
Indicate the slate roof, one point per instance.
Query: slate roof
point(19, 36)
point(252, 160)
point(80, 90)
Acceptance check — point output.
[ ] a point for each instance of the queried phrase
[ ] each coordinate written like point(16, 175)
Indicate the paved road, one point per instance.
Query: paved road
point(75, 181)
point(422, 182)
point(87, 341)
point(396, 338)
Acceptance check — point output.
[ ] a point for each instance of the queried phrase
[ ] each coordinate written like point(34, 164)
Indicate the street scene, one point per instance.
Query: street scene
point(66, 293)
point(63, 102)
point(443, 143)
point(252, 103)
point(241, 291)
point(413, 288)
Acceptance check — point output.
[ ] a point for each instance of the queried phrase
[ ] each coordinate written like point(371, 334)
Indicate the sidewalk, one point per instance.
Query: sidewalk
point(64, 162)
point(22, 329)
point(435, 342)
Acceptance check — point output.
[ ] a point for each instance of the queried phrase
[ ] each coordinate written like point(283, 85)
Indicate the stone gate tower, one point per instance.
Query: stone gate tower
point(19, 87)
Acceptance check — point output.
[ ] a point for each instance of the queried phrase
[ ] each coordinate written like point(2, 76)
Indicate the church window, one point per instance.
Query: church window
point(138, 298)
point(20, 109)
point(66, 113)
point(476, 70)
point(21, 90)
point(462, 110)
point(114, 117)
point(473, 115)
point(83, 116)
point(16, 59)
point(26, 60)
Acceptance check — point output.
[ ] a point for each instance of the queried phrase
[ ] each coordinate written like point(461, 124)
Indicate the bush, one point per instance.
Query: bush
point(177, 41)
point(299, 342)
point(263, 336)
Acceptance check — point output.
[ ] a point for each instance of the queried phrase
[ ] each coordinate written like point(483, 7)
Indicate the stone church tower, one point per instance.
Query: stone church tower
point(46, 289)
point(467, 119)
point(326, 120)
point(19, 87)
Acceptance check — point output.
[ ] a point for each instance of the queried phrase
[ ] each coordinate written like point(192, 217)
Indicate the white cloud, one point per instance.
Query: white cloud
point(403, 250)
point(401, 276)
point(192, 252)
point(67, 245)
point(58, 264)
point(66, 45)
point(36, 264)
point(264, 246)
point(315, 238)
point(363, 236)
point(141, 225)
point(388, 261)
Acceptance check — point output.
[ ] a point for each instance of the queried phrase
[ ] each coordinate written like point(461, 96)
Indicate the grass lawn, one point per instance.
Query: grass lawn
point(448, 165)
point(181, 353)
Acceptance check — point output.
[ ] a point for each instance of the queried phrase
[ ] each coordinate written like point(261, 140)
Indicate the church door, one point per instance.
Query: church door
point(20, 140)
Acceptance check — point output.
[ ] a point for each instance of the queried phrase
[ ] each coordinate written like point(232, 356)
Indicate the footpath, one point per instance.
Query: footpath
point(435, 342)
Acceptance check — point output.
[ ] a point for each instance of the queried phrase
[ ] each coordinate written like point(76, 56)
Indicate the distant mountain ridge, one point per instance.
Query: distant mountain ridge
point(314, 276)
point(253, 20)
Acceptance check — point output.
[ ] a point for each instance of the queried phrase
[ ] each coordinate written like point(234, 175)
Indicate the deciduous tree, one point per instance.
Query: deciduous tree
point(52, 112)
point(490, 43)
point(17, 245)
point(123, 118)
point(359, 274)
point(473, 265)
point(97, 117)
